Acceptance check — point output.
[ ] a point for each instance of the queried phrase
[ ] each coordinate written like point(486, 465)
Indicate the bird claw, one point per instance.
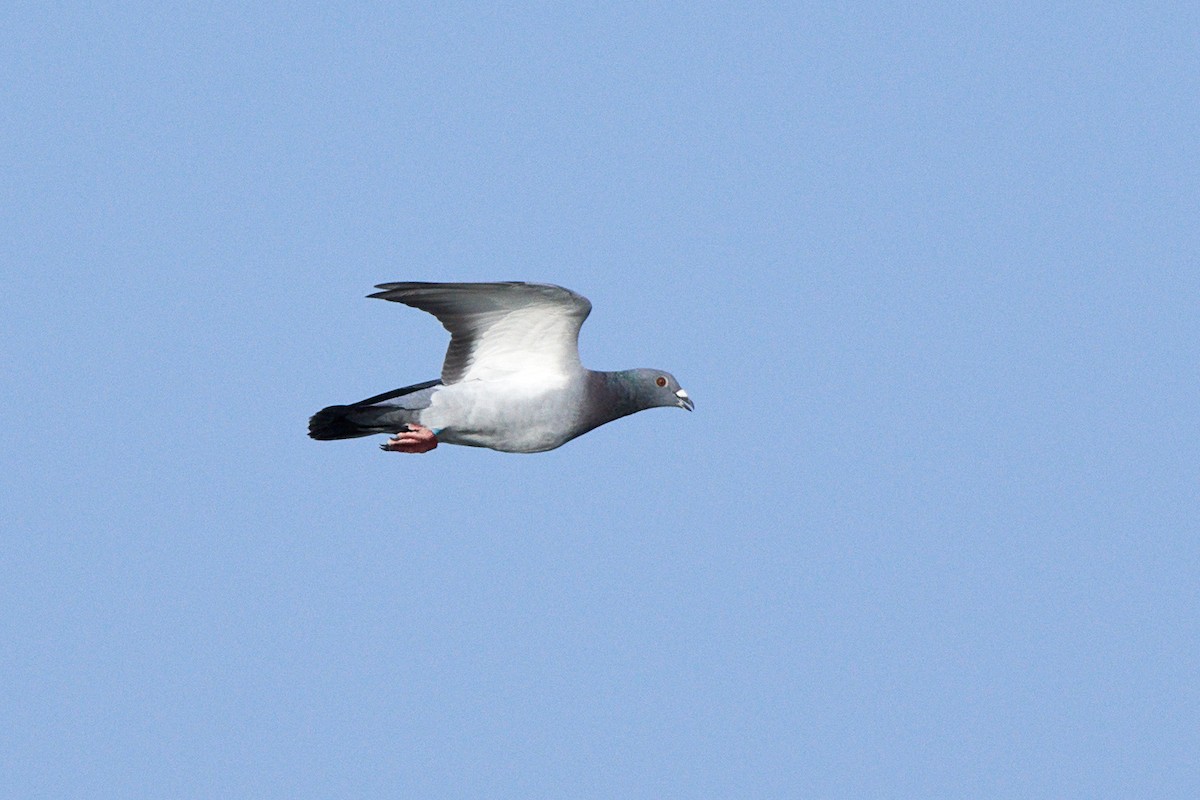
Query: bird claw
point(413, 439)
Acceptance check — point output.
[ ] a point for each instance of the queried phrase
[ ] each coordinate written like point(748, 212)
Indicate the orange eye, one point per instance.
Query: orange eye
point(660, 380)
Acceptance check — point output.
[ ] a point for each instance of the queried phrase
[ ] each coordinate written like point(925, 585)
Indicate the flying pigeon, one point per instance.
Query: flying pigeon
point(512, 379)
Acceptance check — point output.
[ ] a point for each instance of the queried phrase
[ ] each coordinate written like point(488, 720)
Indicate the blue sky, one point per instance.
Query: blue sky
point(929, 271)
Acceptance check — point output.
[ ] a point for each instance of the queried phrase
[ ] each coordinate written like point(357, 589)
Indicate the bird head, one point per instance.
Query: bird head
point(656, 388)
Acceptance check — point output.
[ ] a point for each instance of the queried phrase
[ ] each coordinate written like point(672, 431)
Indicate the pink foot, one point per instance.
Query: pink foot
point(417, 439)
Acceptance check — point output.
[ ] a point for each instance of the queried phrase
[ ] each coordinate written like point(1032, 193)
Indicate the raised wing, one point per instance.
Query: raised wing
point(499, 329)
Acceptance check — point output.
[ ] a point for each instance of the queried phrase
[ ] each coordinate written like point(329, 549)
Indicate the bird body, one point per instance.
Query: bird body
point(512, 379)
point(511, 414)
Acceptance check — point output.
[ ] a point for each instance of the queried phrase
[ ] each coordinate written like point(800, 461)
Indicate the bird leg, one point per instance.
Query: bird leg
point(413, 439)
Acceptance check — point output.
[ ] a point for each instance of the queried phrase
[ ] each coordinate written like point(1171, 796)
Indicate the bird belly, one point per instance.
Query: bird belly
point(513, 418)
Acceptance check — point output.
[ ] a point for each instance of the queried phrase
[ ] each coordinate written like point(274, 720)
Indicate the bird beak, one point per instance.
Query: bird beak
point(684, 400)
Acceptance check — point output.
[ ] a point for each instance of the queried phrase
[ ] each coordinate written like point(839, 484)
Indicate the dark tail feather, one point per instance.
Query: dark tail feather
point(392, 395)
point(365, 418)
point(334, 423)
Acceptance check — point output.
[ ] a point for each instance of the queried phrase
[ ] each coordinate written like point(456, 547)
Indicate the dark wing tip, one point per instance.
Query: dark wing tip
point(412, 293)
point(411, 286)
point(448, 284)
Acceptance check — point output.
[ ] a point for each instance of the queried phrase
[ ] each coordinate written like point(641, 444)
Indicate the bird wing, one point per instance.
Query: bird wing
point(500, 329)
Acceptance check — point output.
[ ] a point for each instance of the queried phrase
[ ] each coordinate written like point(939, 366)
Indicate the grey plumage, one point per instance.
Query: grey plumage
point(373, 415)
point(512, 379)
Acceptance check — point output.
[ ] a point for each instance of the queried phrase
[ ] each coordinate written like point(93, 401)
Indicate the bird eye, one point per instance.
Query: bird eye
point(660, 380)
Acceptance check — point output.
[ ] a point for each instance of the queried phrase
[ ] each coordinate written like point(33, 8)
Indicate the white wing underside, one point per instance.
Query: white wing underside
point(501, 330)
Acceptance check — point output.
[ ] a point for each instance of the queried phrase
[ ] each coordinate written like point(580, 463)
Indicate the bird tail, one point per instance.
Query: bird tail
point(349, 422)
point(365, 419)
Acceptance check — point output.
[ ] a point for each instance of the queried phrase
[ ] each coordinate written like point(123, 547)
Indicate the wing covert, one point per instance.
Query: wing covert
point(499, 329)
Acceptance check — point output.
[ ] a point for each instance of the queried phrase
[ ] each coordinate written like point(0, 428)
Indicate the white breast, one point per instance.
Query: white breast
point(515, 415)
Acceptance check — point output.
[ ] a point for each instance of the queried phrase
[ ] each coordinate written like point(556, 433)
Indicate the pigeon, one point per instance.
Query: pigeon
point(511, 381)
